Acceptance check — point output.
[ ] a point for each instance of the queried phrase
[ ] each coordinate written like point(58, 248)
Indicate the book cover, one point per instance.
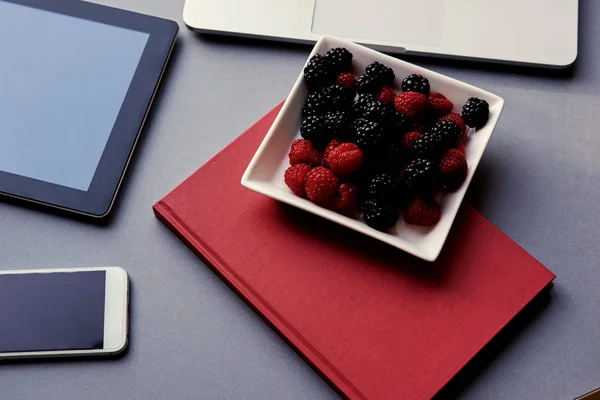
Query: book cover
point(374, 321)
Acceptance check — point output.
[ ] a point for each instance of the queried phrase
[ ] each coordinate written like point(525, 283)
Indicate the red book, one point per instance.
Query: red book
point(374, 321)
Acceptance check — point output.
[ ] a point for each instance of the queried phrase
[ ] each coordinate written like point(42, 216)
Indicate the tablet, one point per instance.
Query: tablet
point(76, 83)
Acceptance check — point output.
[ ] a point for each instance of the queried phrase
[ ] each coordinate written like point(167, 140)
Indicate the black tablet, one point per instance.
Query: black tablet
point(76, 83)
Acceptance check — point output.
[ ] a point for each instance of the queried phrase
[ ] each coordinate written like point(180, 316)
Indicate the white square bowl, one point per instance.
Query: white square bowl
point(265, 172)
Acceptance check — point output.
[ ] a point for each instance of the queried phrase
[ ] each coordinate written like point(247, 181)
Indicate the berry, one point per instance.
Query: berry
point(431, 144)
point(332, 145)
point(345, 159)
point(384, 188)
point(317, 72)
point(425, 212)
point(316, 104)
point(382, 74)
point(348, 198)
point(386, 95)
point(475, 112)
point(439, 104)
point(314, 128)
point(294, 178)
point(416, 83)
point(346, 80)
point(376, 111)
point(419, 127)
point(337, 98)
point(368, 84)
point(398, 123)
point(449, 130)
point(339, 59)
point(409, 139)
point(304, 152)
point(411, 104)
point(362, 102)
point(453, 168)
point(339, 125)
point(369, 135)
point(461, 147)
point(320, 184)
point(458, 120)
point(420, 176)
point(388, 158)
point(380, 216)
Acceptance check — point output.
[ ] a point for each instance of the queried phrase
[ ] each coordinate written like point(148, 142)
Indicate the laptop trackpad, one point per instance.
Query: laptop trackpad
point(406, 21)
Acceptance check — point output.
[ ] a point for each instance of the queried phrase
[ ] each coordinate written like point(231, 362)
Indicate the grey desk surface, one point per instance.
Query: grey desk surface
point(193, 338)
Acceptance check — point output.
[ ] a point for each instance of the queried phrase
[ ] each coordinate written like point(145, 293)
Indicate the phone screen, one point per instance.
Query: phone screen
point(52, 311)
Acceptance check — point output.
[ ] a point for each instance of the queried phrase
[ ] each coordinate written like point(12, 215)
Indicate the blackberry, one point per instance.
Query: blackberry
point(362, 102)
point(314, 128)
point(380, 216)
point(368, 84)
point(385, 189)
point(376, 111)
point(398, 124)
point(317, 73)
point(337, 98)
point(382, 74)
point(339, 59)
point(315, 104)
point(369, 135)
point(430, 144)
point(449, 130)
point(339, 125)
point(420, 176)
point(475, 112)
point(416, 83)
point(389, 157)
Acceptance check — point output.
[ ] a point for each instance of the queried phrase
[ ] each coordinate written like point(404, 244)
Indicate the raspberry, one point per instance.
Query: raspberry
point(294, 178)
point(317, 72)
point(409, 139)
point(453, 168)
point(411, 104)
point(425, 212)
point(386, 95)
point(439, 104)
point(461, 147)
point(416, 83)
point(458, 120)
point(382, 74)
point(339, 59)
point(475, 112)
point(380, 216)
point(320, 184)
point(346, 80)
point(332, 145)
point(303, 152)
point(345, 159)
point(348, 198)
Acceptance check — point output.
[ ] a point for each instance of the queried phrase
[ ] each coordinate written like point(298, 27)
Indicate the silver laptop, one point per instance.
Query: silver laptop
point(533, 32)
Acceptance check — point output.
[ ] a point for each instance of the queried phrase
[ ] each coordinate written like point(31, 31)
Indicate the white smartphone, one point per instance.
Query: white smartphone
point(63, 312)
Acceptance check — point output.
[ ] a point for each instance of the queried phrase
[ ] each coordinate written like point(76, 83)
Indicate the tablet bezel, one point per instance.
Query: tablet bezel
point(97, 201)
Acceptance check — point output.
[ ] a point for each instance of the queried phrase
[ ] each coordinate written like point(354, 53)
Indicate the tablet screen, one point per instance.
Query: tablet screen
point(61, 90)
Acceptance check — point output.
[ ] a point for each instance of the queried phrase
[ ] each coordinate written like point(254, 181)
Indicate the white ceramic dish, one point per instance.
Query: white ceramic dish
point(265, 172)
